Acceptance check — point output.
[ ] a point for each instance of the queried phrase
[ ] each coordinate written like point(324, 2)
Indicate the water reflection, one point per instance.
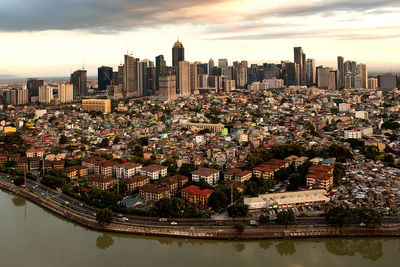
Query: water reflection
point(370, 249)
point(240, 247)
point(18, 201)
point(104, 241)
point(265, 244)
point(286, 247)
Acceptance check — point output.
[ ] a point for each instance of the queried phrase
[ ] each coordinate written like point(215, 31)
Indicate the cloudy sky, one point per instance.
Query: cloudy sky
point(53, 37)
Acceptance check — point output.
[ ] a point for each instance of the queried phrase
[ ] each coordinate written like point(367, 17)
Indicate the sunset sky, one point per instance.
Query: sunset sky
point(54, 37)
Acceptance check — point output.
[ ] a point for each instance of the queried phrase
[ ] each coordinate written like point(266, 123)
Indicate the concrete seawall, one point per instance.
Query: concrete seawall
point(253, 233)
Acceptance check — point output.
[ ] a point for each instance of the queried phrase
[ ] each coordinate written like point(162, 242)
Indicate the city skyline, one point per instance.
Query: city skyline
point(92, 34)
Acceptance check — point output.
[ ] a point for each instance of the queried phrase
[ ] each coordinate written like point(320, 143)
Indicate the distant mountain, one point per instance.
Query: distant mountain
point(10, 77)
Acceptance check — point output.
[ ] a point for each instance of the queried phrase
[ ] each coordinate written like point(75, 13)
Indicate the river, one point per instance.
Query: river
point(31, 236)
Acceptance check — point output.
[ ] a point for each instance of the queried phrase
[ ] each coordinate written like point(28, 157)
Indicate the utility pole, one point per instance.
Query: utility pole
point(231, 192)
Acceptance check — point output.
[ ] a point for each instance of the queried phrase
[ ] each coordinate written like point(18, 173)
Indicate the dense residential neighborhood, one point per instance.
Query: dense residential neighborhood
point(270, 150)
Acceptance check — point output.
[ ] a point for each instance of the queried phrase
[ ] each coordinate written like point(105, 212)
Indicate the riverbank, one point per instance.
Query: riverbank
point(254, 233)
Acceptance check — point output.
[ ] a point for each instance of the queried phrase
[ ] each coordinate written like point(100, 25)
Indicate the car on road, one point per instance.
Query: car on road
point(174, 223)
point(162, 220)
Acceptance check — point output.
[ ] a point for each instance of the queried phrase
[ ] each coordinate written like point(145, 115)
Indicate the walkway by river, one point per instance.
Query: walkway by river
point(31, 236)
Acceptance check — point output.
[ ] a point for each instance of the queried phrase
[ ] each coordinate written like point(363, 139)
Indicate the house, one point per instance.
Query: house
point(136, 181)
point(102, 182)
point(127, 170)
point(152, 193)
point(210, 176)
point(154, 171)
point(193, 194)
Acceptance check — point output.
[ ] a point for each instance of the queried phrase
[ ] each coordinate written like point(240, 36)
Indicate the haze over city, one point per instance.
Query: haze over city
point(52, 38)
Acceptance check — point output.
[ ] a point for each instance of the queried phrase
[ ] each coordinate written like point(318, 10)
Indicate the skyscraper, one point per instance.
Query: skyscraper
point(131, 84)
point(341, 72)
point(167, 86)
point(324, 77)
point(161, 69)
point(310, 72)
point(33, 84)
point(104, 77)
point(362, 70)
point(194, 89)
point(178, 54)
point(299, 60)
point(184, 78)
point(210, 65)
point(79, 82)
point(222, 63)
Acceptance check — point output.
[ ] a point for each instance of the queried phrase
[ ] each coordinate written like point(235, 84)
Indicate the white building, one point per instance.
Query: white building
point(66, 93)
point(362, 115)
point(210, 176)
point(356, 134)
point(127, 170)
point(46, 94)
point(343, 107)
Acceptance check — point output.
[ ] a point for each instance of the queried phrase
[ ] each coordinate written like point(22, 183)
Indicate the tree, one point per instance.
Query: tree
point(116, 140)
point(63, 140)
point(238, 211)
point(295, 181)
point(337, 216)
point(217, 200)
point(285, 217)
point(104, 143)
point(104, 216)
point(263, 219)
point(18, 181)
point(239, 227)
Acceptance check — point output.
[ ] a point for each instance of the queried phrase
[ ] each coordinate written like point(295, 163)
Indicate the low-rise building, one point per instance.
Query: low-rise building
point(152, 193)
point(237, 175)
point(136, 181)
point(154, 171)
point(127, 170)
point(193, 194)
point(102, 182)
point(210, 176)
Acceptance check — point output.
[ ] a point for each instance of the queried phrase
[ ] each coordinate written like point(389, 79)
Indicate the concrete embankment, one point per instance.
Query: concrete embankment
point(202, 232)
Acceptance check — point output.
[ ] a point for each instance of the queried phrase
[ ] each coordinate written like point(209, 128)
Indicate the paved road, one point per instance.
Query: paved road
point(89, 211)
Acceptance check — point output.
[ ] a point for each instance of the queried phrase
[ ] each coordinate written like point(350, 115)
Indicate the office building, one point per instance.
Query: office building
point(33, 84)
point(167, 86)
point(210, 65)
point(102, 105)
point(387, 81)
point(131, 81)
point(79, 82)
point(341, 72)
point(184, 78)
point(362, 70)
point(104, 77)
point(323, 77)
point(299, 57)
point(222, 63)
point(310, 72)
point(161, 69)
point(194, 87)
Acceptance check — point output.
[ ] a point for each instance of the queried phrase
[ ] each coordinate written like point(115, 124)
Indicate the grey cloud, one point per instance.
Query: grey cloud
point(95, 15)
point(349, 34)
point(329, 8)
